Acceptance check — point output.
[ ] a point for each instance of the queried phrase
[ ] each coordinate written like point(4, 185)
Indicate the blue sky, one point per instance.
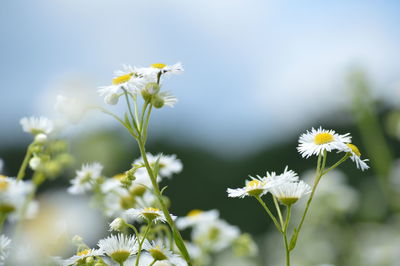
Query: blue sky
point(254, 70)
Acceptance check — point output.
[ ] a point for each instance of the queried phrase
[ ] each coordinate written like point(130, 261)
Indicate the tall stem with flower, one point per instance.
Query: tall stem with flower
point(286, 188)
point(131, 83)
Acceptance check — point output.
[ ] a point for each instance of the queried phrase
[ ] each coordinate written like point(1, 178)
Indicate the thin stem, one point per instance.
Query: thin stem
point(22, 169)
point(154, 261)
point(269, 213)
point(130, 110)
point(177, 236)
point(116, 118)
point(135, 105)
point(146, 123)
point(278, 209)
point(284, 233)
point(344, 158)
point(144, 107)
point(134, 229)
point(142, 241)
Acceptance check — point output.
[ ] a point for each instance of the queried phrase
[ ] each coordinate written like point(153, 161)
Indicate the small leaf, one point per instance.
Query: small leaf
point(162, 190)
point(293, 240)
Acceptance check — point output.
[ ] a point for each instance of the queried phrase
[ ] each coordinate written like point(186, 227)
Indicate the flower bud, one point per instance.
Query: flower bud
point(34, 163)
point(41, 138)
point(126, 181)
point(157, 101)
point(111, 99)
point(118, 224)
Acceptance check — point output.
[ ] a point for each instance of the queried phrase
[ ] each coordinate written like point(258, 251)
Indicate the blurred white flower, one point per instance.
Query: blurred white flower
point(197, 217)
point(160, 253)
point(85, 177)
point(37, 125)
point(148, 213)
point(315, 142)
point(4, 248)
point(168, 165)
point(71, 108)
point(74, 260)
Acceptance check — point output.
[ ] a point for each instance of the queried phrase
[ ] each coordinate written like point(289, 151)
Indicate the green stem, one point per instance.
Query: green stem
point(154, 261)
point(22, 169)
point(134, 229)
point(177, 236)
point(344, 158)
point(269, 213)
point(130, 110)
point(116, 118)
point(3, 217)
point(144, 107)
point(278, 209)
point(146, 123)
point(284, 233)
point(142, 241)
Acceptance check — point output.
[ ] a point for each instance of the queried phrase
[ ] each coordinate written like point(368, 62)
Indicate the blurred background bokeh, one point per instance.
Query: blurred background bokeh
point(257, 75)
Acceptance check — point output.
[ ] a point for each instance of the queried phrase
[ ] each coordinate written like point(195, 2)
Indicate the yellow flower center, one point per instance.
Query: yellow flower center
point(122, 79)
point(322, 138)
point(354, 149)
point(120, 256)
point(3, 183)
point(158, 65)
point(194, 213)
point(83, 252)
point(253, 183)
point(150, 209)
point(119, 176)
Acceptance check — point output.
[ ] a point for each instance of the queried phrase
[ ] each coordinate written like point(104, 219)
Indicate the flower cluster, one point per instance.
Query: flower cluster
point(288, 189)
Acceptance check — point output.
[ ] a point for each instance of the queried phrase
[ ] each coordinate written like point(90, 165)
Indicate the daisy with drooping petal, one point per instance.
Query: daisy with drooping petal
point(315, 142)
point(80, 257)
point(119, 247)
point(195, 217)
point(4, 248)
point(85, 177)
point(160, 253)
point(289, 192)
point(37, 125)
point(356, 157)
point(286, 176)
point(149, 213)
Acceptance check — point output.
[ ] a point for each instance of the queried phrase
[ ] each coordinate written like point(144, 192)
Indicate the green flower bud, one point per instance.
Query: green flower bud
point(157, 101)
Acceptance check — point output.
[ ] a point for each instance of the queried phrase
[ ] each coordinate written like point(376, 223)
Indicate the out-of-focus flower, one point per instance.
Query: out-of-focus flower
point(315, 142)
point(197, 217)
point(168, 164)
point(85, 177)
point(80, 257)
point(4, 248)
point(37, 125)
point(71, 108)
point(118, 224)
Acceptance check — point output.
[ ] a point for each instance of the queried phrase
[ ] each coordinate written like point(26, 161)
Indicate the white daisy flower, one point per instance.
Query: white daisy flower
point(80, 257)
point(315, 142)
point(119, 247)
point(289, 192)
point(4, 248)
point(168, 164)
point(255, 187)
point(168, 98)
point(36, 125)
point(151, 73)
point(196, 217)
point(356, 157)
point(85, 177)
point(127, 79)
point(13, 195)
point(215, 236)
point(149, 213)
point(160, 253)
point(286, 176)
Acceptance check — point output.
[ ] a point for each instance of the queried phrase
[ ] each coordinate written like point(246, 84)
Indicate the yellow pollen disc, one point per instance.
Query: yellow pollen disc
point(119, 176)
point(194, 213)
point(83, 252)
point(158, 65)
point(3, 185)
point(150, 209)
point(354, 149)
point(322, 138)
point(122, 79)
point(253, 183)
